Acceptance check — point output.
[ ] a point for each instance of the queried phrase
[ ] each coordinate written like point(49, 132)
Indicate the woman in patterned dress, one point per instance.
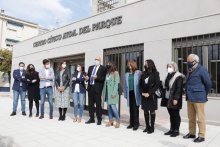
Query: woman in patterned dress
point(62, 82)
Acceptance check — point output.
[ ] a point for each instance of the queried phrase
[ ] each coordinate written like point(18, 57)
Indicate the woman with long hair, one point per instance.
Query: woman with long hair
point(79, 92)
point(62, 82)
point(32, 79)
point(149, 83)
point(132, 93)
point(110, 93)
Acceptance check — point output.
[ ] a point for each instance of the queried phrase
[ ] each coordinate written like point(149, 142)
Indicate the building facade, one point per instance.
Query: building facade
point(147, 29)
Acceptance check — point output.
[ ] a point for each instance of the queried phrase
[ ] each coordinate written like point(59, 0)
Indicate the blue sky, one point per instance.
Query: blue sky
point(47, 12)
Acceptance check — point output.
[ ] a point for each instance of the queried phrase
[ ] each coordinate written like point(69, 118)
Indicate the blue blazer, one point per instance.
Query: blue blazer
point(79, 81)
point(198, 85)
point(137, 76)
point(18, 79)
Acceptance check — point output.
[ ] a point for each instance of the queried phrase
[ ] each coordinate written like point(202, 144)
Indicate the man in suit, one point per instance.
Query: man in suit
point(46, 75)
point(19, 88)
point(95, 78)
point(198, 84)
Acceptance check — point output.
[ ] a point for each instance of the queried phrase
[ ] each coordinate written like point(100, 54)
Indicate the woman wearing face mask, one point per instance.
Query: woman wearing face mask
point(132, 93)
point(32, 79)
point(173, 85)
point(79, 91)
point(110, 93)
point(149, 83)
point(62, 82)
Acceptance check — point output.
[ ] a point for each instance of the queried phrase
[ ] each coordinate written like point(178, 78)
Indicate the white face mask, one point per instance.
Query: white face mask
point(64, 65)
point(21, 68)
point(170, 70)
point(48, 66)
point(97, 62)
point(78, 69)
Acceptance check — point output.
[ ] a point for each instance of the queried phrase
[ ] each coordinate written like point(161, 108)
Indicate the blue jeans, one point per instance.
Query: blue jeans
point(78, 99)
point(112, 109)
point(49, 93)
point(16, 97)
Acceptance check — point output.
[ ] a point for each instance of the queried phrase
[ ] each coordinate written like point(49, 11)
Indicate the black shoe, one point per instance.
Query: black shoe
point(60, 118)
point(199, 139)
point(63, 118)
point(151, 130)
point(23, 113)
point(169, 132)
point(147, 129)
point(90, 121)
point(189, 136)
point(175, 133)
point(135, 128)
point(13, 113)
point(30, 115)
point(99, 122)
point(37, 115)
point(129, 127)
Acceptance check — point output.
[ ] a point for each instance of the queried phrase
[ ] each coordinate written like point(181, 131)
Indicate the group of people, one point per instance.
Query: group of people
point(139, 89)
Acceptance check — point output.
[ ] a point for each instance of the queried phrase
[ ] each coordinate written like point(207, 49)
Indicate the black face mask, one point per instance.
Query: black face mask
point(32, 69)
point(145, 68)
point(108, 66)
point(127, 69)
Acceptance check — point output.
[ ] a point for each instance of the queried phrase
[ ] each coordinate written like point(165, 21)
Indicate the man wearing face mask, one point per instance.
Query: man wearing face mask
point(198, 84)
point(95, 78)
point(173, 85)
point(19, 88)
point(46, 75)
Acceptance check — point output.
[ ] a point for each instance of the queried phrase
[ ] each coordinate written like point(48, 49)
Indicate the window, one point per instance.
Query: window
point(207, 47)
point(104, 5)
point(9, 45)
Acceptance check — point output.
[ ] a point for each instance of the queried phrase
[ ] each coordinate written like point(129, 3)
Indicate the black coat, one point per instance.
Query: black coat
point(66, 76)
point(149, 103)
point(33, 88)
point(175, 94)
point(99, 82)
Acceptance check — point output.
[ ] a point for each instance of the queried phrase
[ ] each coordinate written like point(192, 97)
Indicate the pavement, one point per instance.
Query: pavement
point(22, 131)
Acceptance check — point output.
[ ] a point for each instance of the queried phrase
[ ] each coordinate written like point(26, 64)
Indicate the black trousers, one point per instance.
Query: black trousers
point(31, 106)
point(95, 98)
point(174, 118)
point(134, 110)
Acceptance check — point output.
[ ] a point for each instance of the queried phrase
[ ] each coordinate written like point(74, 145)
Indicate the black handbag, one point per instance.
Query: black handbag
point(120, 89)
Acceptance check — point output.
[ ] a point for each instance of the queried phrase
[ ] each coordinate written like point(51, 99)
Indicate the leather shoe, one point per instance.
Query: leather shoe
point(51, 116)
point(90, 121)
point(13, 113)
point(41, 117)
point(169, 132)
point(99, 122)
point(199, 139)
point(135, 128)
point(23, 113)
point(189, 136)
point(129, 127)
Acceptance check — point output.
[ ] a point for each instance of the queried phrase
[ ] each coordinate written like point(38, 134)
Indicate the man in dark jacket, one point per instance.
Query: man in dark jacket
point(198, 84)
point(95, 78)
point(19, 88)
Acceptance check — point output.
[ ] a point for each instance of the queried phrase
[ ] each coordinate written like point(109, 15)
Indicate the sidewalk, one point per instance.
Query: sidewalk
point(21, 131)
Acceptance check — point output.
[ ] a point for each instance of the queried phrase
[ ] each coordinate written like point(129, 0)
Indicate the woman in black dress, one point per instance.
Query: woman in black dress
point(149, 83)
point(32, 79)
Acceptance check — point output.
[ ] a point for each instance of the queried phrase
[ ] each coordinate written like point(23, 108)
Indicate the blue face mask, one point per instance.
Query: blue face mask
point(190, 64)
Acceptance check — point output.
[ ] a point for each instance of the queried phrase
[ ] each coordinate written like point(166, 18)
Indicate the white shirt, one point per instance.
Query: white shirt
point(77, 85)
point(21, 72)
point(47, 74)
point(97, 68)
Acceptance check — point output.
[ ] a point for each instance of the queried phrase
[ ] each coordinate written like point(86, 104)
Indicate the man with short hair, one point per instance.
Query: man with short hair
point(46, 75)
point(96, 77)
point(198, 84)
point(19, 88)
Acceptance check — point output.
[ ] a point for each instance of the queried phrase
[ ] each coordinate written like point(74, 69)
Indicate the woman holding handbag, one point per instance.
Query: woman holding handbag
point(173, 85)
point(111, 94)
point(149, 83)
